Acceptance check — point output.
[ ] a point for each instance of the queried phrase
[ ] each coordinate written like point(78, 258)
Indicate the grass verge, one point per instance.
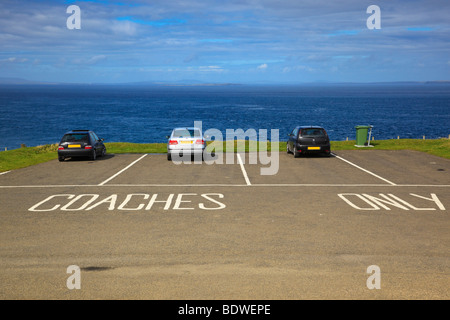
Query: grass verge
point(24, 157)
point(437, 147)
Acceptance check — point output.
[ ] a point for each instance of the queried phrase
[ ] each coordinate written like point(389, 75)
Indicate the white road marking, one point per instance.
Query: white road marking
point(233, 185)
point(1, 173)
point(247, 181)
point(124, 169)
point(369, 172)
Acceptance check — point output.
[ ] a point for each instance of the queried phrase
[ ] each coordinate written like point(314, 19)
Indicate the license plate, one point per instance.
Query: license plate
point(74, 146)
point(313, 148)
point(186, 142)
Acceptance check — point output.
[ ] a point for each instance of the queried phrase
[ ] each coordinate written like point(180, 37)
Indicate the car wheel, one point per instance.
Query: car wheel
point(287, 149)
point(61, 159)
point(169, 157)
point(296, 154)
point(103, 152)
point(94, 155)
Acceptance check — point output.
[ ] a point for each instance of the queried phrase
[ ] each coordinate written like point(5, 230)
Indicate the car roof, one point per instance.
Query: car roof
point(78, 131)
point(310, 127)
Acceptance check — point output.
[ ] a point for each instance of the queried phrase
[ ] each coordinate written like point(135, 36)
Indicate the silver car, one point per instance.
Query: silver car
point(185, 141)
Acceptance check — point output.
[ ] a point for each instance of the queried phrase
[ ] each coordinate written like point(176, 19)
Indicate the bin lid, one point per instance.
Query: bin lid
point(363, 127)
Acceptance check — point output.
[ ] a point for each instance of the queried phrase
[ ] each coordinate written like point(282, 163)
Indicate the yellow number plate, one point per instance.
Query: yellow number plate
point(74, 146)
point(313, 148)
point(186, 142)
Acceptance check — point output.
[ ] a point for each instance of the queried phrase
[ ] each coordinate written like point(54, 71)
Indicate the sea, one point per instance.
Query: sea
point(34, 115)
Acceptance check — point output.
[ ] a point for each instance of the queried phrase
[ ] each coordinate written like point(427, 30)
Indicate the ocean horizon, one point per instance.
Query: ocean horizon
point(33, 114)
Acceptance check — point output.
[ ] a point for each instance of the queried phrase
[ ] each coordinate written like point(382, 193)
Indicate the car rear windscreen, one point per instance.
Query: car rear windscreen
point(186, 133)
point(312, 132)
point(75, 137)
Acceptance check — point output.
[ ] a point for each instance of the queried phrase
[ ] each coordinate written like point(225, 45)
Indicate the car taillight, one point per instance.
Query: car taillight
point(200, 141)
point(60, 148)
point(173, 142)
point(88, 147)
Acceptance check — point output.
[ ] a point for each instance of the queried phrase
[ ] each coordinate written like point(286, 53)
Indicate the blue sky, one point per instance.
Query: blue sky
point(238, 41)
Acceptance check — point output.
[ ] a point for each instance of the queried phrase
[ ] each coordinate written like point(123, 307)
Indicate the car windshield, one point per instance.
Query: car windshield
point(186, 133)
point(313, 132)
point(75, 137)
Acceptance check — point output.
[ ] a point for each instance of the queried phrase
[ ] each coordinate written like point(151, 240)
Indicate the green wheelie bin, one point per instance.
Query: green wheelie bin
point(361, 135)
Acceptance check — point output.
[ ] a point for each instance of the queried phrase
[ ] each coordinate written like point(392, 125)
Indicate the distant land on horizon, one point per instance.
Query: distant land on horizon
point(20, 81)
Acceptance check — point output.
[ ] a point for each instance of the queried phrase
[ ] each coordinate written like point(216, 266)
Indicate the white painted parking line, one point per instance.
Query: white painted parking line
point(1, 173)
point(124, 169)
point(247, 180)
point(365, 170)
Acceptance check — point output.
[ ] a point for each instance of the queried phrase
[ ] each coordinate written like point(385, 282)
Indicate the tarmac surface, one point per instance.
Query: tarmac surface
point(141, 227)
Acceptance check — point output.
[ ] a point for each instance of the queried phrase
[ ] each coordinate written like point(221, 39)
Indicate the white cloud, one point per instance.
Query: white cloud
point(14, 60)
point(124, 28)
point(291, 34)
point(297, 69)
point(210, 69)
point(263, 66)
point(89, 61)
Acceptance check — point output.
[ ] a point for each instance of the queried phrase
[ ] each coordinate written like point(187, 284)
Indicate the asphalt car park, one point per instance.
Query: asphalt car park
point(142, 227)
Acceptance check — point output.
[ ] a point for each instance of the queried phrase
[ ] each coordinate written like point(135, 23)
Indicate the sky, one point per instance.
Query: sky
point(237, 41)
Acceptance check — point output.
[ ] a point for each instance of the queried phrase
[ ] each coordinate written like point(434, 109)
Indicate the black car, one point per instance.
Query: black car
point(81, 143)
point(308, 139)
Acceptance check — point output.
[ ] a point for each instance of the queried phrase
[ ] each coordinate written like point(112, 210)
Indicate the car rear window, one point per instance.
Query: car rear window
point(75, 137)
point(186, 133)
point(312, 132)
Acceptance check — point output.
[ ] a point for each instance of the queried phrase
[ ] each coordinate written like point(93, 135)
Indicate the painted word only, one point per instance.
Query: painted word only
point(131, 202)
point(364, 201)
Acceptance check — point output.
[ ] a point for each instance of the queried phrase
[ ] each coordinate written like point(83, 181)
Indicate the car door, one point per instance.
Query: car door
point(95, 144)
point(101, 145)
point(292, 138)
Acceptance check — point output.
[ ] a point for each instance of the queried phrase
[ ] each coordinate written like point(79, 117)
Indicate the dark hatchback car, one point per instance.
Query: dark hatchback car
point(308, 139)
point(81, 143)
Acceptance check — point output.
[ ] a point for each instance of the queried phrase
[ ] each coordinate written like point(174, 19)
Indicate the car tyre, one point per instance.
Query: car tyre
point(61, 159)
point(287, 149)
point(103, 152)
point(296, 154)
point(94, 155)
point(169, 157)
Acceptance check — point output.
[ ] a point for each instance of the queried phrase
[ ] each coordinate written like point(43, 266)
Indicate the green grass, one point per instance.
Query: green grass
point(24, 157)
point(127, 147)
point(437, 147)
